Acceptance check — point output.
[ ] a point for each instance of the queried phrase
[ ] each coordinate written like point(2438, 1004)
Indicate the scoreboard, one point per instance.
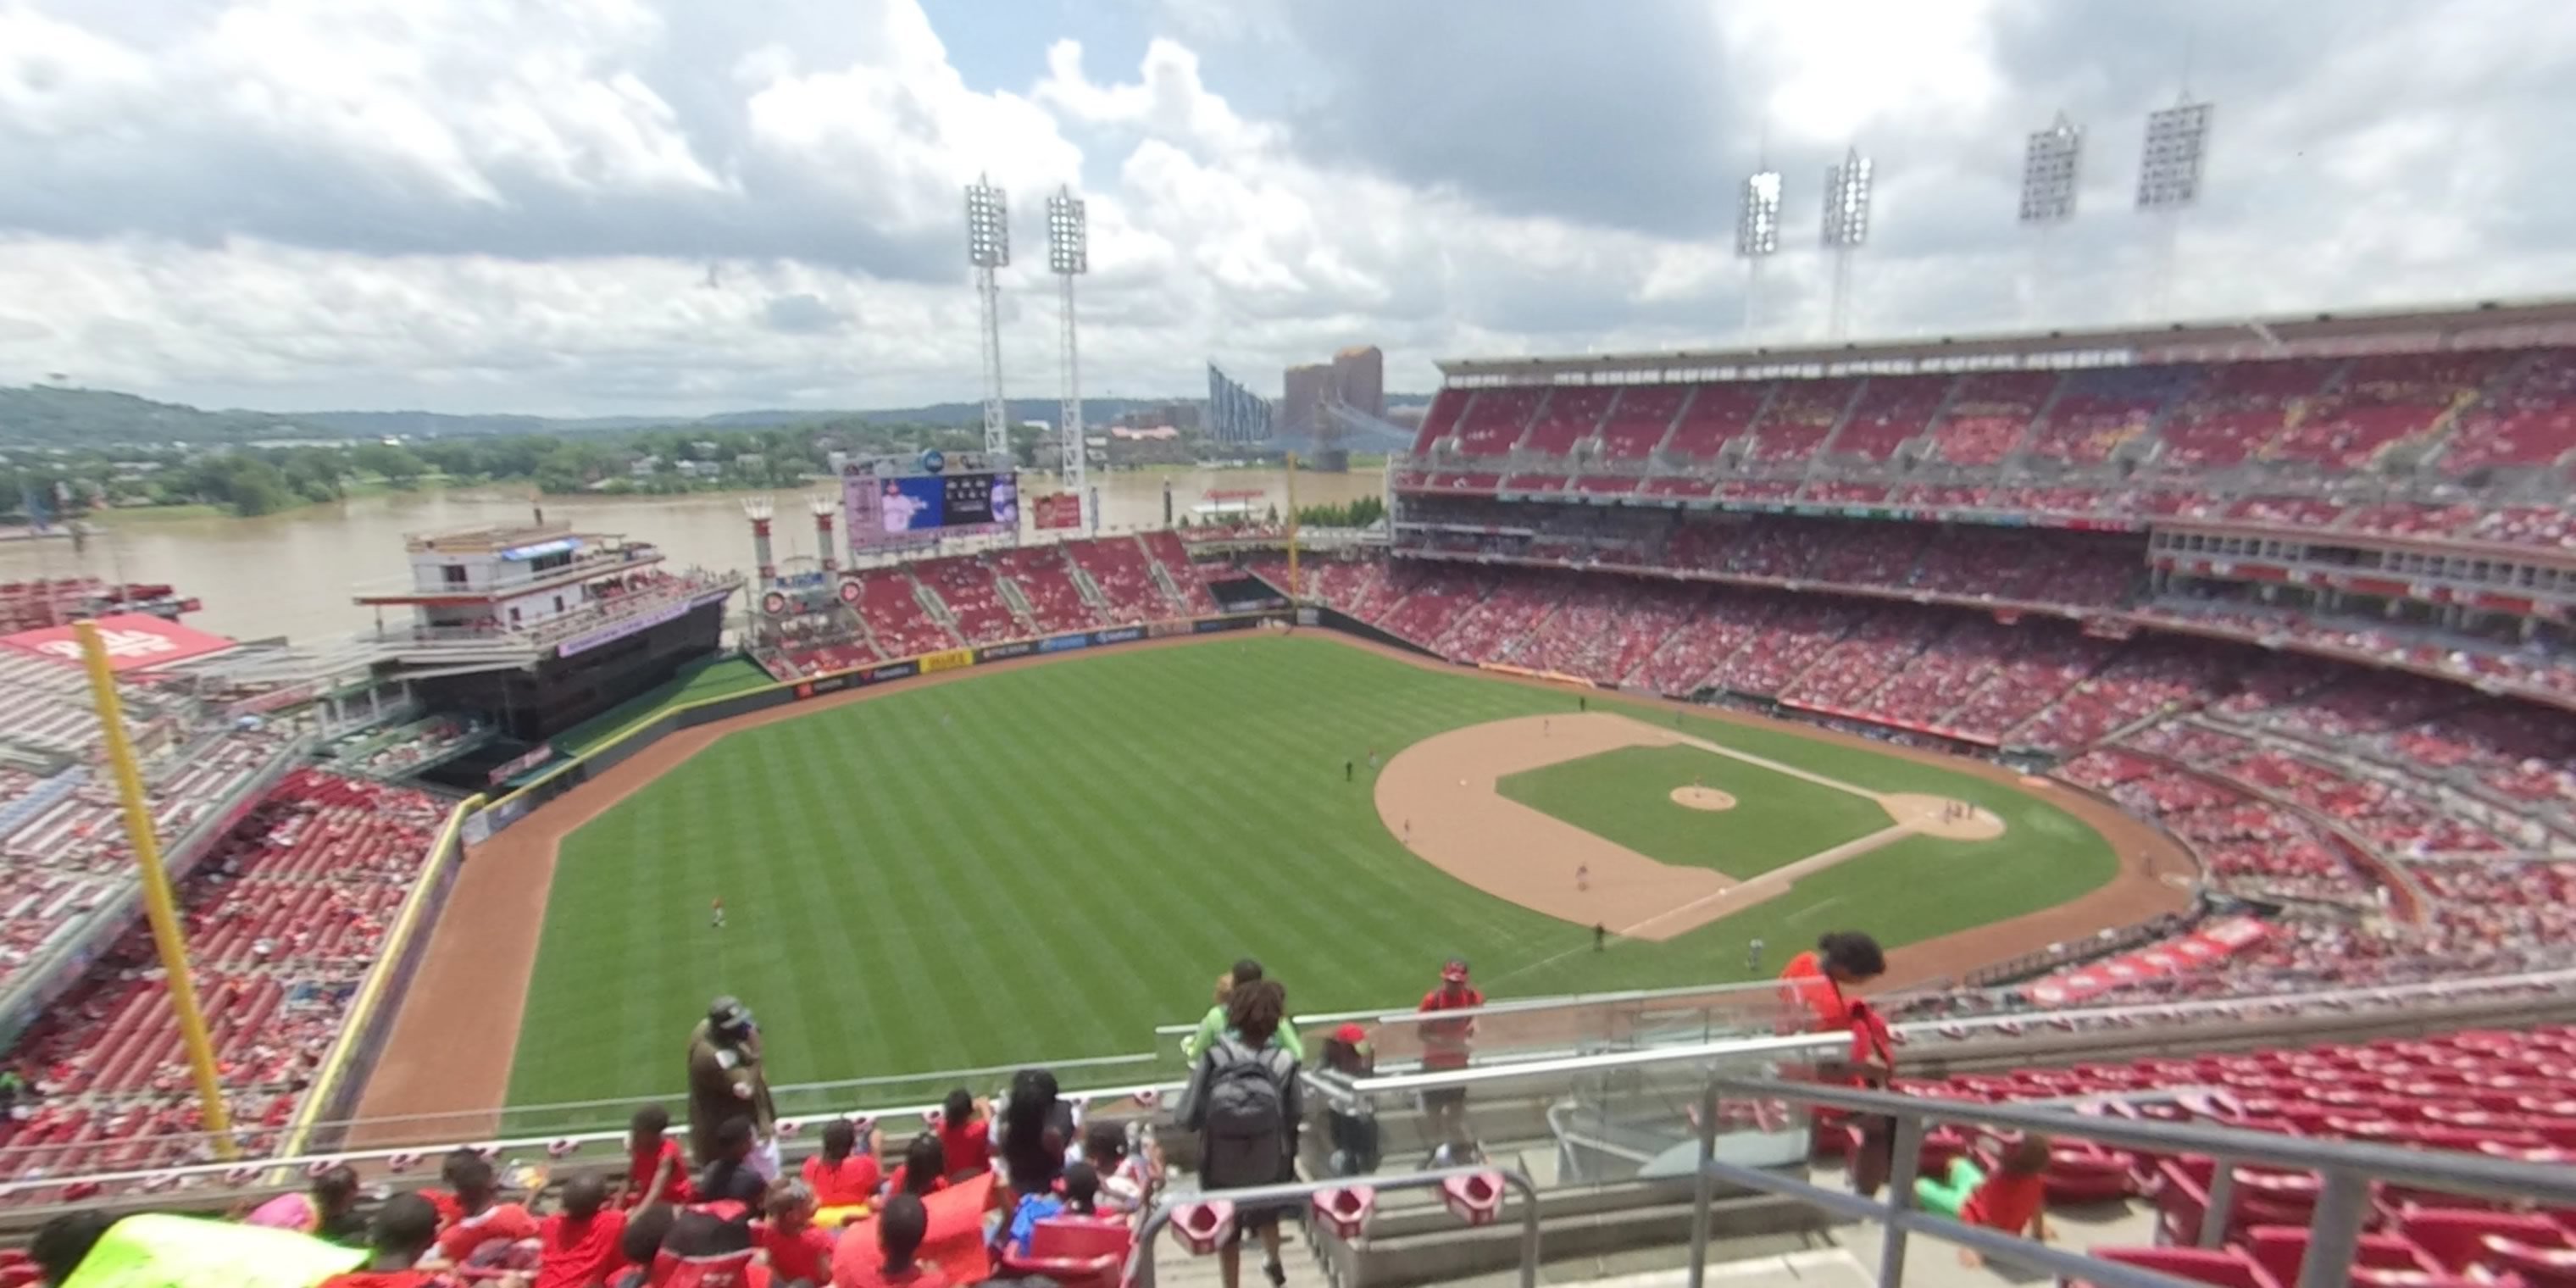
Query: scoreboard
point(900, 501)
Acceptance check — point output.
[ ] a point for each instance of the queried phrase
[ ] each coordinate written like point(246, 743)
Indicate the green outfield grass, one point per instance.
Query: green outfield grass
point(1046, 861)
point(1626, 796)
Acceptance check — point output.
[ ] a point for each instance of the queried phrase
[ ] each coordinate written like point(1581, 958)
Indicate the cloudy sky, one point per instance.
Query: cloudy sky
point(611, 206)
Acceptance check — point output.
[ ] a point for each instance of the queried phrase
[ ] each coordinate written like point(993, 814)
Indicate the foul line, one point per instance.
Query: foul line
point(1776, 767)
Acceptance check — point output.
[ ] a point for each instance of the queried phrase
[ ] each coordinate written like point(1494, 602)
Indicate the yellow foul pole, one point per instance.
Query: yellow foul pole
point(1294, 593)
point(156, 889)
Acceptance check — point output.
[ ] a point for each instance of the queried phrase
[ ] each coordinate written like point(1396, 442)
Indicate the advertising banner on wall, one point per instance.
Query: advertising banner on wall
point(1056, 510)
point(948, 660)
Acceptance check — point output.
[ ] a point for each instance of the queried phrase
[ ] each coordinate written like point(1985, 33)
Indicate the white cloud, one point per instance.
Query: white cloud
point(487, 204)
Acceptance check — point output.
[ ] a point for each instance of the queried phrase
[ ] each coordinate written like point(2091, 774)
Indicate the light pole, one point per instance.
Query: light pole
point(1069, 257)
point(988, 248)
point(1847, 194)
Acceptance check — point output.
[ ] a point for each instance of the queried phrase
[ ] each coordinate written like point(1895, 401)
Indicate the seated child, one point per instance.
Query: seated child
point(2013, 1199)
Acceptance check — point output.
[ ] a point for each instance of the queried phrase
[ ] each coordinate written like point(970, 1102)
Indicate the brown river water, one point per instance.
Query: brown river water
point(293, 573)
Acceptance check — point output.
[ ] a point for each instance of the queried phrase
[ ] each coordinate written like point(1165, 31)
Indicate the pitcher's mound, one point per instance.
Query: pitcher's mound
point(1702, 798)
point(1942, 817)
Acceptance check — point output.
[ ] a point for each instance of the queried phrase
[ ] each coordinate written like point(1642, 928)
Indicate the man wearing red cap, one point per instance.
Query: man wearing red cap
point(1446, 1045)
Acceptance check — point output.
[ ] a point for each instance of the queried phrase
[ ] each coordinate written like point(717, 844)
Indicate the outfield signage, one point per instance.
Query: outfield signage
point(1001, 652)
point(1064, 643)
point(1120, 636)
point(947, 660)
point(893, 671)
point(616, 631)
point(1166, 630)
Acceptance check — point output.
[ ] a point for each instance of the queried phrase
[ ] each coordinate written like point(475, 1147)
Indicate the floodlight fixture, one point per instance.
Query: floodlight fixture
point(988, 224)
point(1847, 192)
point(2177, 147)
point(1068, 234)
point(2050, 172)
point(1757, 216)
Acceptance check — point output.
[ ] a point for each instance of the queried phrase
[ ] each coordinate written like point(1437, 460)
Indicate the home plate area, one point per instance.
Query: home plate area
point(1442, 797)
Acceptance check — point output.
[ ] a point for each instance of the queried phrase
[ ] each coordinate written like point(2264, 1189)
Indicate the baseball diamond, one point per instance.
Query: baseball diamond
point(891, 909)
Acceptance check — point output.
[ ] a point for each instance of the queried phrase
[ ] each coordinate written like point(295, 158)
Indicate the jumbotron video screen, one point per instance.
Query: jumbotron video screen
point(908, 501)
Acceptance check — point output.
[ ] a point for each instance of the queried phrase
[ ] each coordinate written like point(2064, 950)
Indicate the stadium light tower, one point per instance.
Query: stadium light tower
point(988, 248)
point(2169, 175)
point(2050, 176)
point(1757, 232)
point(1847, 193)
point(1069, 257)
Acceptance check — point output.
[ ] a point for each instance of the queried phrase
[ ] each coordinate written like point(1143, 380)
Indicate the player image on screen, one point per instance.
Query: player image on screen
point(1006, 499)
point(896, 510)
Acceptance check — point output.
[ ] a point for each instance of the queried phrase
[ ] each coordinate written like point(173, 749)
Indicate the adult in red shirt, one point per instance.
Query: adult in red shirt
point(404, 1230)
point(1447, 1044)
point(581, 1246)
point(1815, 981)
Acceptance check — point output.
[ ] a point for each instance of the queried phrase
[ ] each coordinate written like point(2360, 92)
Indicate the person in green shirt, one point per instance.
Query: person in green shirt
point(1213, 1025)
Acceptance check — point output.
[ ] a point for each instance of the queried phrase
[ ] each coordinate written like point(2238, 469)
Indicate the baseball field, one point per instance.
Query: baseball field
point(1046, 859)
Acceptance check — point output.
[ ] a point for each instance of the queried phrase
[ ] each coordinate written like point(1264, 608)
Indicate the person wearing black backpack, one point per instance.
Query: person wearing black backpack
point(1243, 1101)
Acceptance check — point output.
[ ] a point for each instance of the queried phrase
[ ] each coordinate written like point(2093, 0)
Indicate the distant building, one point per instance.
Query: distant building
point(1359, 379)
point(1235, 414)
point(1301, 404)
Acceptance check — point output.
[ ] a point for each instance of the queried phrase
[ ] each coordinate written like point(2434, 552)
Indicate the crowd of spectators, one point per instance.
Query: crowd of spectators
point(284, 916)
point(925, 606)
point(2295, 442)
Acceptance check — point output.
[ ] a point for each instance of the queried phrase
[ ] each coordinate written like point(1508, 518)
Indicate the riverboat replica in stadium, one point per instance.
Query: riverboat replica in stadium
point(536, 627)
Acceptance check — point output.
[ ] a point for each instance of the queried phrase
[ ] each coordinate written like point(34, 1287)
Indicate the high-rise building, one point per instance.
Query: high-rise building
point(1301, 404)
point(1359, 380)
point(1235, 414)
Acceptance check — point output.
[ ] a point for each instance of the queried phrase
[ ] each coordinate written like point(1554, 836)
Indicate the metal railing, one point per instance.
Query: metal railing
point(2345, 1170)
point(1141, 1269)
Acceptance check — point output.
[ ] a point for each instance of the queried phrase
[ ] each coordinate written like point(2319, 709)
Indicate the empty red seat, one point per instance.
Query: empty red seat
point(2280, 1250)
point(2455, 1237)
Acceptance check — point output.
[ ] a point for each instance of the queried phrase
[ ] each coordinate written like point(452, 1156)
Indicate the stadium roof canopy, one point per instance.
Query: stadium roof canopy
point(2482, 325)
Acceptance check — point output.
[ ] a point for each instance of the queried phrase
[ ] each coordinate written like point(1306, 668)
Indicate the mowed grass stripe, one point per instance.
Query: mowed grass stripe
point(1044, 862)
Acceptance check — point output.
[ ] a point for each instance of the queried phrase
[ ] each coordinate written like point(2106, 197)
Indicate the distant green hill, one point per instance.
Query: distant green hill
point(47, 417)
point(52, 417)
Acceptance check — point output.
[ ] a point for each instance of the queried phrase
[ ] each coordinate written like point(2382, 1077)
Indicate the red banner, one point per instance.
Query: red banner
point(134, 642)
point(1057, 510)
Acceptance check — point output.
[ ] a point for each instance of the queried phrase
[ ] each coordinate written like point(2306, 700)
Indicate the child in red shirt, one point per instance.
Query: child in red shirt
point(965, 1139)
point(844, 1176)
point(653, 1159)
point(405, 1228)
point(486, 1222)
point(919, 1173)
point(890, 1261)
point(2013, 1199)
point(799, 1252)
point(580, 1247)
